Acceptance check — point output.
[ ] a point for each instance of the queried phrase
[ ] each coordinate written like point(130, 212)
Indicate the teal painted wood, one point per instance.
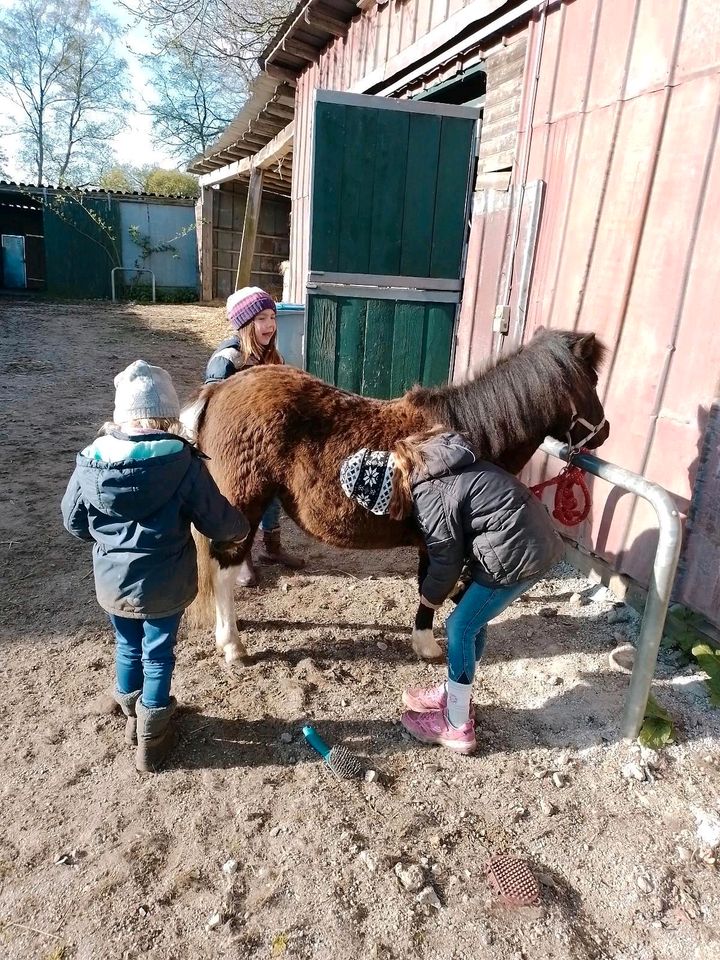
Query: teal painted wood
point(356, 210)
point(407, 346)
point(82, 245)
point(420, 183)
point(379, 348)
point(322, 332)
point(437, 344)
point(450, 197)
point(389, 191)
point(350, 343)
point(388, 197)
point(377, 357)
point(327, 185)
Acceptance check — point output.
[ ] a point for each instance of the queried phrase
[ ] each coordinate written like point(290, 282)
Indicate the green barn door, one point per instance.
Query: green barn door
point(389, 211)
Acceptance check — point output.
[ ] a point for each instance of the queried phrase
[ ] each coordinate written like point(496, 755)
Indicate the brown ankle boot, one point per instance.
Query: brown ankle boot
point(272, 551)
point(155, 735)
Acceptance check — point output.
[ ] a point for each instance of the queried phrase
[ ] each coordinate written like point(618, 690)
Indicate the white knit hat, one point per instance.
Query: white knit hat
point(144, 391)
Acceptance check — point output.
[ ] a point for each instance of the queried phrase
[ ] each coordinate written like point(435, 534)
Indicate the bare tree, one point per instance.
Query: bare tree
point(229, 33)
point(34, 60)
point(194, 100)
point(59, 69)
point(93, 111)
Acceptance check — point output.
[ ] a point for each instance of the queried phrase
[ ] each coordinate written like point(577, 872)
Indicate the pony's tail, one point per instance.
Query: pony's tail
point(201, 612)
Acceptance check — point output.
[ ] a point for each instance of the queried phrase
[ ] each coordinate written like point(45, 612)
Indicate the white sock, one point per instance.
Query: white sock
point(458, 703)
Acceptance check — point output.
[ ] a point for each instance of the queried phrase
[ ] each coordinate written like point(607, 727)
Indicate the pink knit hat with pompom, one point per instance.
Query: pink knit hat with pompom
point(245, 304)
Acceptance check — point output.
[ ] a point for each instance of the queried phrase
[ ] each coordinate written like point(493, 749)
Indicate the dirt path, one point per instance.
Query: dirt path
point(98, 862)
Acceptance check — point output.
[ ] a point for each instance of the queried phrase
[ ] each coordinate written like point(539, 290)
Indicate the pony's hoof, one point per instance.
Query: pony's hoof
point(235, 652)
point(425, 645)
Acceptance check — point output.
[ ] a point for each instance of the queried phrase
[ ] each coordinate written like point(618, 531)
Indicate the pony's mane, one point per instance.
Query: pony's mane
point(517, 397)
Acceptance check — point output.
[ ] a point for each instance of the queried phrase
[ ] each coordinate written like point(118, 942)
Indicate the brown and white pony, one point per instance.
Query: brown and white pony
point(279, 432)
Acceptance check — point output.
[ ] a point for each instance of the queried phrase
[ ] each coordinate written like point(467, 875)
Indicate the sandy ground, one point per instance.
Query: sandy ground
point(99, 862)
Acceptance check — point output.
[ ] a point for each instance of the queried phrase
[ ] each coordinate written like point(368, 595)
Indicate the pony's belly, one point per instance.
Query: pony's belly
point(352, 529)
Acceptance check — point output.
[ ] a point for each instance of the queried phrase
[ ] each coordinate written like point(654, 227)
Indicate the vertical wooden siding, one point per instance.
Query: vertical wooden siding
point(379, 348)
point(271, 245)
point(625, 134)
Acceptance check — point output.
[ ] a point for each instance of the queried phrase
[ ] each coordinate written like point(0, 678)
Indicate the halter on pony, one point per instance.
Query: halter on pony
point(566, 509)
point(593, 430)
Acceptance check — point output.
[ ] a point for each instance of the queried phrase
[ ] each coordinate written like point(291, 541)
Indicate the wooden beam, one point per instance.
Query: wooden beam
point(266, 125)
point(304, 51)
point(274, 110)
point(281, 73)
point(277, 148)
point(253, 143)
point(252, 216)
point(231, 171)
point(205, 237)
point(324, 18)
point(285, 96)
point(237, 153)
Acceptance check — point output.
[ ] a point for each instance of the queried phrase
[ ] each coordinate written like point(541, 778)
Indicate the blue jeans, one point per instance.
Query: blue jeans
point(271, 518)
point(466, 625)
point(145, 656)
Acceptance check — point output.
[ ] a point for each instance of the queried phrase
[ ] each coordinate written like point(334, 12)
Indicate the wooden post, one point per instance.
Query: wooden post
point(250, 225)
point(205, 242)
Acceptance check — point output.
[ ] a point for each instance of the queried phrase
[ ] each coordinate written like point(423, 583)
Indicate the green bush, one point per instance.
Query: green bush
point(142, 293)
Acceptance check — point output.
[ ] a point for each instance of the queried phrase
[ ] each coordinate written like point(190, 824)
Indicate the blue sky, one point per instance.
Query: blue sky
point(133, 145)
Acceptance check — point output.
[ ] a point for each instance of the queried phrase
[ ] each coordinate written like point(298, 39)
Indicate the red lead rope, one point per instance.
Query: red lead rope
point(566, 508)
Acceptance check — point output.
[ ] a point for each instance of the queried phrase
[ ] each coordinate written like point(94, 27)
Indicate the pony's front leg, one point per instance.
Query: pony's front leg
point(423, 640)
point(227, 636)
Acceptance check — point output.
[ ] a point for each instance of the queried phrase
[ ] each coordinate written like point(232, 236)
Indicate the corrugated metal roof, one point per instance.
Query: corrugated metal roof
point(11, 186)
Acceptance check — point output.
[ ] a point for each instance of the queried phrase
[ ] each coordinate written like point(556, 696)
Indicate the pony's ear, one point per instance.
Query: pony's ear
point(589, 349)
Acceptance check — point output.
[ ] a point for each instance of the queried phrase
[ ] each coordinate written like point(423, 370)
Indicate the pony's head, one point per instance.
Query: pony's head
point(581, 422)
point(547, 386)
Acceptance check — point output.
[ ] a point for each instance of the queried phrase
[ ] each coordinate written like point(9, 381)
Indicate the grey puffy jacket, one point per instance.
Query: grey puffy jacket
point(471, 511)
point(138, 512)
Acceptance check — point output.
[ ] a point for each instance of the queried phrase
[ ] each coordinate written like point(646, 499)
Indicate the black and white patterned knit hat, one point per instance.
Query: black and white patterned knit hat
point(366, 476)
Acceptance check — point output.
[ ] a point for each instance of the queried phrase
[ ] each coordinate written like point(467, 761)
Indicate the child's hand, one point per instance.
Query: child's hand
point(227, 552)
point(458, 591)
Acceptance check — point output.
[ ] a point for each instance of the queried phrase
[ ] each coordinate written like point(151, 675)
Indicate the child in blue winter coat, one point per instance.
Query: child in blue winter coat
point(135, 491)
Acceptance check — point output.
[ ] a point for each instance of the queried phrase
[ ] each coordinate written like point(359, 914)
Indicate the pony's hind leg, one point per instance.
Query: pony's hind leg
point(227, 636)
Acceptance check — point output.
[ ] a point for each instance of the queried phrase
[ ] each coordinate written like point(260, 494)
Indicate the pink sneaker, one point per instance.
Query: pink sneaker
point(424, 699)
point(434, 727)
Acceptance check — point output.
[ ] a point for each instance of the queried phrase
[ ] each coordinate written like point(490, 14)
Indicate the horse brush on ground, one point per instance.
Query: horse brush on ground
point(339, 759)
